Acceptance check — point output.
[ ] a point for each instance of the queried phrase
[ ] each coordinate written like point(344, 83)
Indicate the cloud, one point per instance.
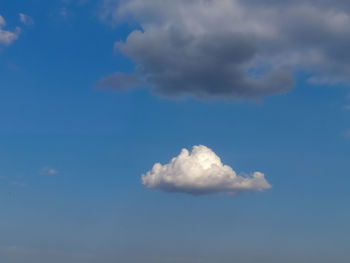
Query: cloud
point(2, 21)
point(347, 134)
point(119, 81)
point(201, 172)
point(233, 48)
point(63, 12)
point(26, 20)
point(48, 171)
point(346, 107)
point(7, 37)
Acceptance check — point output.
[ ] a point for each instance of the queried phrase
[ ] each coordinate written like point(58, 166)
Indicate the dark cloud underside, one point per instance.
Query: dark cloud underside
point(229, 48)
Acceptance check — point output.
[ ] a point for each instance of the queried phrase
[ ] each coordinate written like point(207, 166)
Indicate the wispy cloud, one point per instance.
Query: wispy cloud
point(201, 172)
point(347, 134)
point(346, 107)
point(63, 12)
point(48, 171)
point(7, 37)
point(26, 20)
point(119, 81)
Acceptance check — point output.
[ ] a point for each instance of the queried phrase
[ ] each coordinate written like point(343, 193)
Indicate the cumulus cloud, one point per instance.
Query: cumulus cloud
point(233, 48)
point(6, 36)
point(25, 19)
point(201, 172)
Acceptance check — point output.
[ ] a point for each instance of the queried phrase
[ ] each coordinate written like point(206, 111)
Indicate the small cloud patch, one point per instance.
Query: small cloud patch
point(48, 171)
point(25, 19)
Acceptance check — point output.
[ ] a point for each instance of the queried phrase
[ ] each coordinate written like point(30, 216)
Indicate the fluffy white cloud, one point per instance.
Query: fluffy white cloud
point(6, 36)
point(201, 172)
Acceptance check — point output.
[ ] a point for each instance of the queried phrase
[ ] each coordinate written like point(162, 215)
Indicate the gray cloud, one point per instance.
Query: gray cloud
point(119, 81)
point(231, 48)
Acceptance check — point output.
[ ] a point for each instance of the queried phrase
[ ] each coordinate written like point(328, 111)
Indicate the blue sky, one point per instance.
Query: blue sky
point(97, 141)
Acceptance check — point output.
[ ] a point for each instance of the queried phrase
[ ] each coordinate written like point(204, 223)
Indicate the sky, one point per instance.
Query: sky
point(174, 131)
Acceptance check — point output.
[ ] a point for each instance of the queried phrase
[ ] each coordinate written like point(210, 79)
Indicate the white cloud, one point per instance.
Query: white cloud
point(25, 19)
point(201, 172)
point(7, 37)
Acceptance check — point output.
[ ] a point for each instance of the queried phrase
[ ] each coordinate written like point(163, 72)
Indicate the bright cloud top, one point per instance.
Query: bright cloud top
point(201, 172)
